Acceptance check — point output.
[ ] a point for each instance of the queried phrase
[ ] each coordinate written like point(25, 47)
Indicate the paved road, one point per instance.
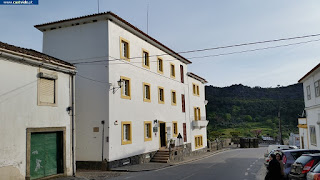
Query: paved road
point(235, 164)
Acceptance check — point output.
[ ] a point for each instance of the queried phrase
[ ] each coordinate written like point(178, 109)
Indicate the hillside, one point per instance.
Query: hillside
point(242, 108)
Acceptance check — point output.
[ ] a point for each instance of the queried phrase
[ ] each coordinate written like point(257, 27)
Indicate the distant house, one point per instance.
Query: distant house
point(36, 118)
point(311, 88)
point(133, 93)
point(303, 133)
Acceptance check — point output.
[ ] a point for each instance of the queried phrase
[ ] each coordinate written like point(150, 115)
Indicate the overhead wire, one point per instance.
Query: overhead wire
point(216, 48)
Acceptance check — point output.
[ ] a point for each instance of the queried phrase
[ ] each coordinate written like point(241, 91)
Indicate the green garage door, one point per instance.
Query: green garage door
point(46, 154)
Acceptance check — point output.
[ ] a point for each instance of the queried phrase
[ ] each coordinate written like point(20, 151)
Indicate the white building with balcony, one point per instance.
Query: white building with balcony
point(133, 94)
point(310, 126)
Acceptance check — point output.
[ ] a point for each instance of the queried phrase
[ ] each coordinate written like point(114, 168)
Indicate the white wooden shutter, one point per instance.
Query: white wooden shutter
point(47, 90)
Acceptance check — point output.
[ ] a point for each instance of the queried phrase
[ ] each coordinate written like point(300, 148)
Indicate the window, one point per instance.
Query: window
point(172, 70)
point(173, 98)
point(183, 103)
point(316, 87)
point(47, 89)
point(145, 59)
point(181, 74)
point(124, 49)
point(160, 65)
point(175, 128)
point(313, 138)
point(197, 115)
point(161, 95)
point(146, 92)
point(198, 141)
point(147, 131)
point(195, 89)
point(126, 132)
point(126, 88)
point(308, 93)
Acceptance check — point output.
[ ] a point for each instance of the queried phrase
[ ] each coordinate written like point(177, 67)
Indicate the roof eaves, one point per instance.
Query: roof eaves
point(183, 59)
point(309, 73)
point(202, 80)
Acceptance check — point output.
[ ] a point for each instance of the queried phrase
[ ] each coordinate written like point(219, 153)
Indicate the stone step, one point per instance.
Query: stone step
point(159, 155)
point(160, 158)
point(159, 161)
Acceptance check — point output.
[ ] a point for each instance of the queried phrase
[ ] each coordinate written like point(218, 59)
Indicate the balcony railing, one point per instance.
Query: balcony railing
point(199, 122)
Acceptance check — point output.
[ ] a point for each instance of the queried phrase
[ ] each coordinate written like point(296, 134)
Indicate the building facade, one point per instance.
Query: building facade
point(311, 89)
point(36, 128)
point(133, 93)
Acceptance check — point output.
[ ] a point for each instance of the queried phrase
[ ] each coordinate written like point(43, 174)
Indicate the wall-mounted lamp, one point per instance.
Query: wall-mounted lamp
point(120, 84)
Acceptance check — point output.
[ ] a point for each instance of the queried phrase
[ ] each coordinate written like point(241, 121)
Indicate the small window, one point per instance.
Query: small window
point(145, 59)
point(47, 89)
point(161, 95)
point(146, 92)
point(124, 49)
point(317, 89)
point(160, 65)
point(126, 132)
point(126, 88)
point(147, 131)
point(183, 103)
point(308, 93)
point(181, 74)
point(195, 89)
point(197, 115)
point(172, 70)
point(198, 141)
point(175, 128)
point(313, 138)
point(173, 98)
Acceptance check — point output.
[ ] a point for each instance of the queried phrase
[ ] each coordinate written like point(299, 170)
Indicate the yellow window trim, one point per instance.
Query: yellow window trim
point(148, 59)
point(195, 89)
point(144, 92)
point(161, 72)
point(122, 90)
point(197, 113)
point(160, 102)
point(174, 70)
point(173, 103)
point(173, 124)
point(123, 142)
point(196, 140)
point(150, 130)
point(128, 42)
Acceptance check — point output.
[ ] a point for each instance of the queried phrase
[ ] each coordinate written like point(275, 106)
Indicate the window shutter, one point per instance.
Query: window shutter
point(184, 132)
point(183, 103)
point(47, 90)
point(181, 74)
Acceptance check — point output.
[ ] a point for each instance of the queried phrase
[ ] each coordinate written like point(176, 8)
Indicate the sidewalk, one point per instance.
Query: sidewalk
point(99, 175)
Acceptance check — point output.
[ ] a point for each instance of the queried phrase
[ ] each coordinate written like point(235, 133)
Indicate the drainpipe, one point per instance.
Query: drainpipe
point(73, 124)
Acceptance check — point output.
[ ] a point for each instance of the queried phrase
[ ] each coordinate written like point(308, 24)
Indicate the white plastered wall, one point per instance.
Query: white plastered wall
point(86, 43)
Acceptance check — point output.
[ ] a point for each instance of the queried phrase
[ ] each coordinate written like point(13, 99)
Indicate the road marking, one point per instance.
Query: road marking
point(256, 160)
point(251, 165)
point(128, 177)
point(187, 177)
point(253, 162)
point(248, 169)
point(246, 174)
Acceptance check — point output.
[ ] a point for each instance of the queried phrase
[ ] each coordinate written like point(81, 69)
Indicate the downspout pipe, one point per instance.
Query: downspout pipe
point(73, 124)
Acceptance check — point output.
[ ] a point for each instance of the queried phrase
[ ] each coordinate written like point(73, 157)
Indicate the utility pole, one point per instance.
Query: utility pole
point(279, 116)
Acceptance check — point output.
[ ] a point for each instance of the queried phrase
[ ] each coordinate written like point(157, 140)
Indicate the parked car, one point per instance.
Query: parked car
point(303, 165)
point(289, 156)
point(314, 173)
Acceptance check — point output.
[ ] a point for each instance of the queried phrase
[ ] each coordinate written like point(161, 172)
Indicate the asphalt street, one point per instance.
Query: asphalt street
point(238, 164)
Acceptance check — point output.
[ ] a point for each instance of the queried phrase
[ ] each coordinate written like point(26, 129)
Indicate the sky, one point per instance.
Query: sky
point(184, 25)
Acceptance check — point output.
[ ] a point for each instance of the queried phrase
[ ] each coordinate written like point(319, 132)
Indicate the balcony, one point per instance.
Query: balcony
point(199, 123)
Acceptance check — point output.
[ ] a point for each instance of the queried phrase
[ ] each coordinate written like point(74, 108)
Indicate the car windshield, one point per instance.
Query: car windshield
point(303, 159)
point(316, 169)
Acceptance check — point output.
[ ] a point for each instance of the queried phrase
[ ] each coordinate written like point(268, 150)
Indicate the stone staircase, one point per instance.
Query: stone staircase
point(162, 156)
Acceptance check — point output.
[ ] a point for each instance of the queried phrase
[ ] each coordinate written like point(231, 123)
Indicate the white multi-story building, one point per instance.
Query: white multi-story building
point(133, 93)
point(311, 89)
point(36, 116)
